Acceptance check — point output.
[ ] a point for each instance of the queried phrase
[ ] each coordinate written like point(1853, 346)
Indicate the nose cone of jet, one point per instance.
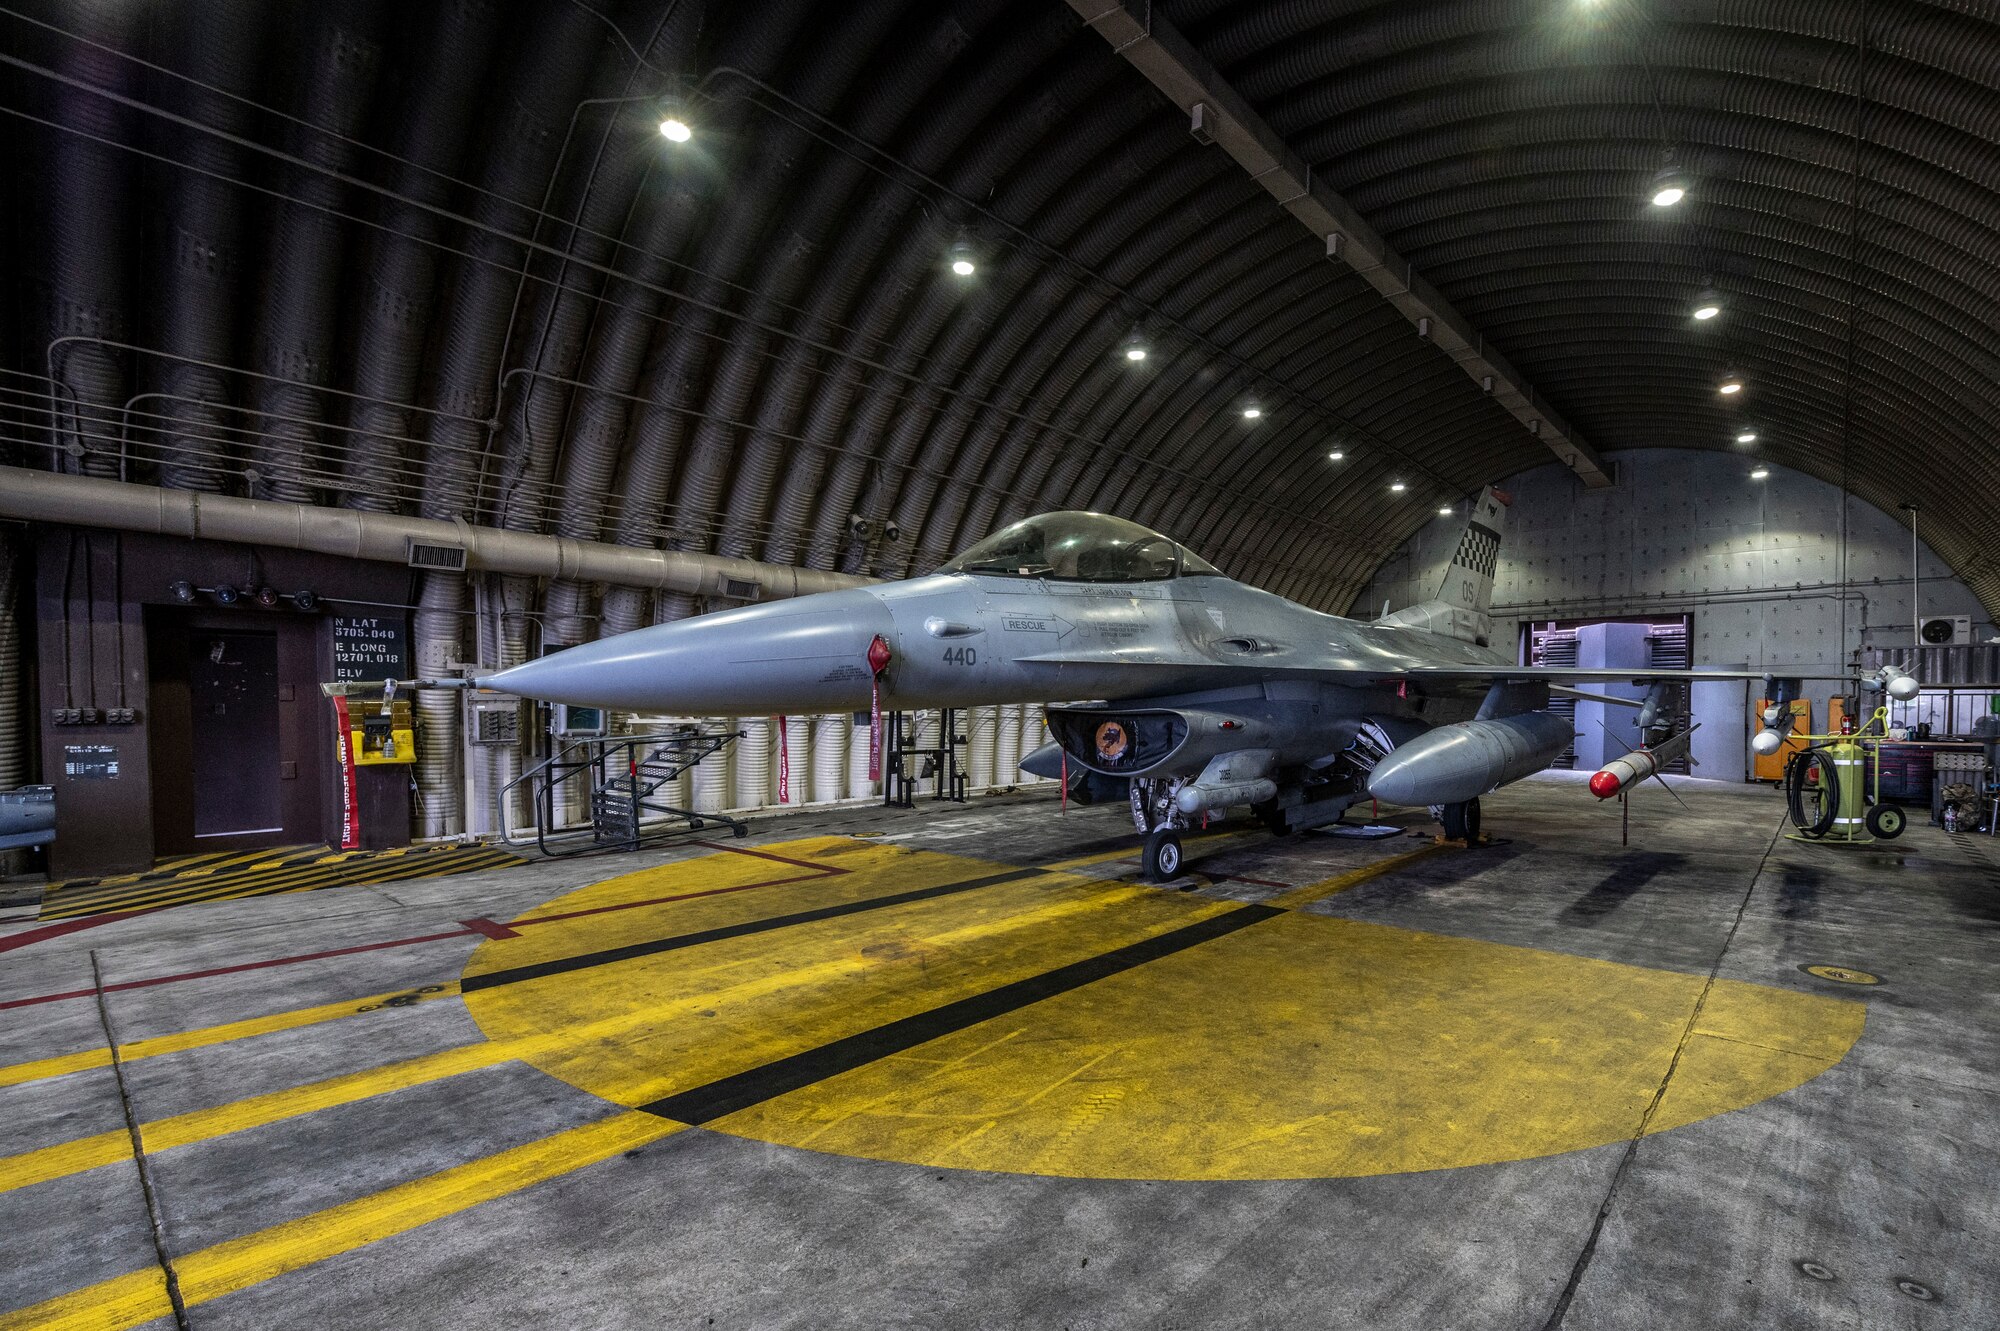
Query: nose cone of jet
point(793, 656)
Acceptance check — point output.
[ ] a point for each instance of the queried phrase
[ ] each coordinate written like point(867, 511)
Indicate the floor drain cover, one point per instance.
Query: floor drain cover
point(1841, 974)
point(1922, 1293)
point(1813, 1269)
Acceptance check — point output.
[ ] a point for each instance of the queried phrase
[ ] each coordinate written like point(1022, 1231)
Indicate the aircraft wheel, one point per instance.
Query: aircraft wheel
point(1461, 821)
point(1884, 821)
point(1162, 859)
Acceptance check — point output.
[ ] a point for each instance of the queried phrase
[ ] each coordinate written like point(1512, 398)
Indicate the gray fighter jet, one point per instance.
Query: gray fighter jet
point(1204, 693)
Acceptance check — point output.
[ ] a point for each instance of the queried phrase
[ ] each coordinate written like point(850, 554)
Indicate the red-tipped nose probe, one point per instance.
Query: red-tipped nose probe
point(1624, 773)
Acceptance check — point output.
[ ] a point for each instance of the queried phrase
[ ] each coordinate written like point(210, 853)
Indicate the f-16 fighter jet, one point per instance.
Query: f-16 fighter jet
point(1207, 694)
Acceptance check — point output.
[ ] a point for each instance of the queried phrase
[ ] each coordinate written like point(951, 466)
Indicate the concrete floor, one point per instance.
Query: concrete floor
point(1698, 1134)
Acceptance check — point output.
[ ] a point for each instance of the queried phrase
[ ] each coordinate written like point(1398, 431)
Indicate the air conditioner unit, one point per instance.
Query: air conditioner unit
point(1945, 630)
point(496, 724)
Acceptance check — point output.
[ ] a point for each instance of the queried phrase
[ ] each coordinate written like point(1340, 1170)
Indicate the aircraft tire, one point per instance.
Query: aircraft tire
point(1461, 821)
point(1161, 860)
point(1884, 821)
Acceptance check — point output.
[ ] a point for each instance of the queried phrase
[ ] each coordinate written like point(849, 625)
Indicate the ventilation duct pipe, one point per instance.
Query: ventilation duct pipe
point(88, 249)
point(295, 334)
point(13, 671)
point(85, 501)
point(400, 274)
point(606, 165)
point(204, 233)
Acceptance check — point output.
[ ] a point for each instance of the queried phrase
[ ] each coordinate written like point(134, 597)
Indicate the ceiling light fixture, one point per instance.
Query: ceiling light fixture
point(1731, 383)
point(1445, 512)
point(1708, 304)
point(1252, 413)
point(676, 130)
point(1134, 346)
point(1747, 437)
point(960, 255)
point(1669, 187)
point(1335, 456)
point(1760, 473)
point(1398, 487)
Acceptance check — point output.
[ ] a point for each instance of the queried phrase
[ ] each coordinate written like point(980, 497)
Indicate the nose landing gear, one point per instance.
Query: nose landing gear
point(1161, 860)
point(1160, 819)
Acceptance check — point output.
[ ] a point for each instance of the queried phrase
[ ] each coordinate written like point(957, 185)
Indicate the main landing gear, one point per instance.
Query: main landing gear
point(1461, 821)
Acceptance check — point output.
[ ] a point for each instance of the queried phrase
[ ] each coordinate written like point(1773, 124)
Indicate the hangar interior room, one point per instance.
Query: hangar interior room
point(970, 664)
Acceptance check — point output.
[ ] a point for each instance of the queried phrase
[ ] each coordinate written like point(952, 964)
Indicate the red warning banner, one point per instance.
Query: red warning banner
point(350, 807)
point(784, 765)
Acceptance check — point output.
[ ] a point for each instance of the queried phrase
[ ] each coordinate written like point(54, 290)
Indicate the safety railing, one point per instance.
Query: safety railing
point(625, 783)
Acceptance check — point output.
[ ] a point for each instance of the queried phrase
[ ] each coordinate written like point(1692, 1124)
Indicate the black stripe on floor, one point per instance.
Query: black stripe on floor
point(705, 1104)
point(653, 947)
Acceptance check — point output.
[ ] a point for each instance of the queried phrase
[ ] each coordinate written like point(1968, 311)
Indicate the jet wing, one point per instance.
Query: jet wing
point(1359, 670)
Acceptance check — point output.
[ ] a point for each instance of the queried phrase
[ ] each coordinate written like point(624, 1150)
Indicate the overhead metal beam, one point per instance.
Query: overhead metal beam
point(1218, 113)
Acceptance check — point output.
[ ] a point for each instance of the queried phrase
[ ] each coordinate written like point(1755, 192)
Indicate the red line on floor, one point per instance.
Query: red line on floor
point(232, 970)
point(471, 928)
point(48, 931)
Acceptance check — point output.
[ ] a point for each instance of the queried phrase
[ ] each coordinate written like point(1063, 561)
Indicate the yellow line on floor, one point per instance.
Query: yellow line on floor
point(63, 1064)
point(30, 1167)
point(236, 1264)
point(1326, 887)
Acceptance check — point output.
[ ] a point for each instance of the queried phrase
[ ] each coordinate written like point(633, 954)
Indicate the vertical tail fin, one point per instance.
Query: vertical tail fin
point(1468, 580)
point(1463, 605)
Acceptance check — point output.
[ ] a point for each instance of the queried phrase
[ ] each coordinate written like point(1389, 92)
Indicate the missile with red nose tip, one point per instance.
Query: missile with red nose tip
point(1624, 773)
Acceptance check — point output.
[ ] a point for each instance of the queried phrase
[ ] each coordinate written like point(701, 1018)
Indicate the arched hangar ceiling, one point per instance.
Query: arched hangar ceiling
point(440, 258)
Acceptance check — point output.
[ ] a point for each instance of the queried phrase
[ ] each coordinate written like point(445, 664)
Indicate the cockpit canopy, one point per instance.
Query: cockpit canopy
point(1081, 547)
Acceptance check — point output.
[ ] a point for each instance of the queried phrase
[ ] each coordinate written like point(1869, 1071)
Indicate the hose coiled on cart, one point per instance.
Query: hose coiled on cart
point(1795, 791)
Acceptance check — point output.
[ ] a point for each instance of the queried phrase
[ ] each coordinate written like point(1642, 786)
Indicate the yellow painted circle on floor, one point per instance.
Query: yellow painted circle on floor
point(1298, 1046)
point(1842, 974)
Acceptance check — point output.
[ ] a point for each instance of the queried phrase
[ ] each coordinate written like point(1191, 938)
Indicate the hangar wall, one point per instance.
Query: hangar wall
point(1755, 564)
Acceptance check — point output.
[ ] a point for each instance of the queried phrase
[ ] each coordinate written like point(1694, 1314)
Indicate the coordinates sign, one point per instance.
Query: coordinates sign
point(371, 647)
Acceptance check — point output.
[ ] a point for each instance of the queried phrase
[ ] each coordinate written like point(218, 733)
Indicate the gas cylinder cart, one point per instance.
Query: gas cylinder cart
point(1833, 788)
